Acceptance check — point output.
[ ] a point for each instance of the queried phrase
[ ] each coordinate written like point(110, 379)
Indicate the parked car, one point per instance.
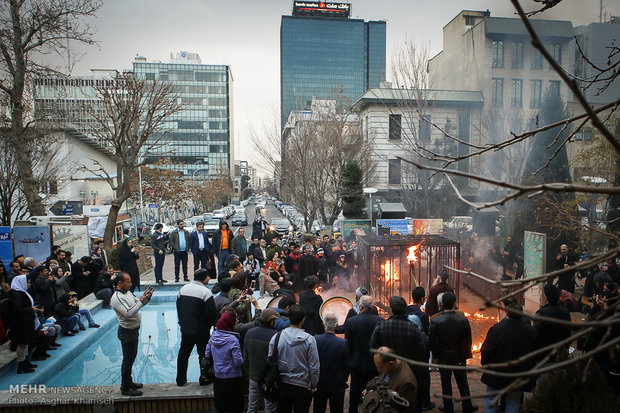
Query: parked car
point(240, 219)
point(219, 214)
point(281, 225)
point(457, 222)
point(212, 225)
point(144, 229)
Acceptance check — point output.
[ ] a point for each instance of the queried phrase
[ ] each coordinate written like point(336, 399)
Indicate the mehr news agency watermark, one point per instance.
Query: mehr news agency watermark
point(40, 394)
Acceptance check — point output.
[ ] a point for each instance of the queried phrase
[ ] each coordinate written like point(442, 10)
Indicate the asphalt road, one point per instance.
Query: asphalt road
point(250, 210)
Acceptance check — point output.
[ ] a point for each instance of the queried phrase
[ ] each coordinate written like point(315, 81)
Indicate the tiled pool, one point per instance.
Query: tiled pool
point(99, 364)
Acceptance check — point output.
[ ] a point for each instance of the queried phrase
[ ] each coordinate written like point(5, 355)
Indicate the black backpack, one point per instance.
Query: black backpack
point(269, 379)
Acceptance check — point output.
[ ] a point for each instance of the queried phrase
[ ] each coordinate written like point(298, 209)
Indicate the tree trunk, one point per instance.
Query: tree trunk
point(30, 186)
point(110, 227)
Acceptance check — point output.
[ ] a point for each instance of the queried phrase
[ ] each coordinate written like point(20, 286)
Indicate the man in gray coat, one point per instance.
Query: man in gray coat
point(179, 241)
point(298, 362)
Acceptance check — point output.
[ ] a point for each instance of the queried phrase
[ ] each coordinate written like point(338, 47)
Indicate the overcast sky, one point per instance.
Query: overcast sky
point(245, 35)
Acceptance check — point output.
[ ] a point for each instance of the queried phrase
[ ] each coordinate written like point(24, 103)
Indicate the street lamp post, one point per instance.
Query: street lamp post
point(369, 192)
point(194, 181)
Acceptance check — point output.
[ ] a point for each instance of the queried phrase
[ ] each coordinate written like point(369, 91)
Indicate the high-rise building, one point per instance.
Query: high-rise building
point(201, 135)
point(327, 55)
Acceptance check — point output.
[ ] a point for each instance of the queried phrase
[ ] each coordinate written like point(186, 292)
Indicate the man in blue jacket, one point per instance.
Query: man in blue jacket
point(334, 359)
point(201, 247)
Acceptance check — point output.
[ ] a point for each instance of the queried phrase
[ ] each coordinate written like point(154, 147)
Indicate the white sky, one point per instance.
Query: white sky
point(245, 34)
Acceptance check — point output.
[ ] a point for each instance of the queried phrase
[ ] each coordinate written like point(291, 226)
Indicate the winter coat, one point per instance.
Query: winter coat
point(225, 349)
point(311, 302)
point(128, 262)
point(21, 318)
point(450, 338)
point(256, 348)
point(174, 239)
point(104, 280)
point(217, 240)
point(507, 340)
point(298, 358)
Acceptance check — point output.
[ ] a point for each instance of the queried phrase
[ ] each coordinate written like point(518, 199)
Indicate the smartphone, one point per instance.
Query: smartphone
point(253, 284)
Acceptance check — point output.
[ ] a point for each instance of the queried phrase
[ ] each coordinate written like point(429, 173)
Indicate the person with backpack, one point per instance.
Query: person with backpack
point(255, 351)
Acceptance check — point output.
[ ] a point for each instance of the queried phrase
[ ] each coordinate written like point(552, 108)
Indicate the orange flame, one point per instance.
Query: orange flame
point(318, 290)
point(390, 272)
point(480, 316)
point(411, 257)
point(476, 347)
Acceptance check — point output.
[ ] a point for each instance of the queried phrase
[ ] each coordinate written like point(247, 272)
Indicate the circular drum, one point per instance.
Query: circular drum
point(336, 305)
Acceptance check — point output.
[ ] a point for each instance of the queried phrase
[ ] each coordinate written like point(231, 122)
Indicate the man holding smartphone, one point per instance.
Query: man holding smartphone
point(127, 308)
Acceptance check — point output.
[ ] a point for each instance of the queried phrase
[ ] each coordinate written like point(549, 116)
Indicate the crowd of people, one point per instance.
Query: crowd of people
point(234, 336)
point(39, 301)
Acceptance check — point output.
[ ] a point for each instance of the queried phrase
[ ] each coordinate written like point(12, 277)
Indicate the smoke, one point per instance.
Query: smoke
point(484, 262)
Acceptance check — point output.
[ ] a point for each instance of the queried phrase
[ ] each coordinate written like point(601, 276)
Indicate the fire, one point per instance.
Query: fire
point(476, 347)
point(390, 272)
point(411, 257)
point(318, 290)
point(480, 316)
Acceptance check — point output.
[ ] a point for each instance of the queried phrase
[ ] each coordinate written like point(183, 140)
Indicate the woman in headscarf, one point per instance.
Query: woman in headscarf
point(225, 351)
point(128, 260)
point(23, 326)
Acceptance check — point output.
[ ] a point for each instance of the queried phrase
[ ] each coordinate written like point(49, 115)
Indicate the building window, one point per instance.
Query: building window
point(537, 60)
point(584, 134)
point(470, 20)
point(394, 172)
point(554, 88)
point(497, 92)
point(517, 55)
point(516, 99)
point(424, 128)
point(536, 94)
point(395, 126)
point(556, 53)
point(498, 53)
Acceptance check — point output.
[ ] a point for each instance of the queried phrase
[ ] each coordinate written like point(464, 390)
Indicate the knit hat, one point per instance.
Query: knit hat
point(361, 290)
point(320, 251)
point(268, 315)
point(226, 323)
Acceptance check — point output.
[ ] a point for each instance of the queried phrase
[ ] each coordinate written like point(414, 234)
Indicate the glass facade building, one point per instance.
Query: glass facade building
point(328, 58)
point(200, 137)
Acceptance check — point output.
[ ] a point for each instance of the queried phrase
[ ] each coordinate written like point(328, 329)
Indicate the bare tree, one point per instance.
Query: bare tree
point(32, 29)
point(309, 158)
point(132, 123)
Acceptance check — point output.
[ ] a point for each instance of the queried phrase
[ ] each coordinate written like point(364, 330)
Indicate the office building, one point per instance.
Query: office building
point(325, 54)
point(495, 55)
point(201, 135)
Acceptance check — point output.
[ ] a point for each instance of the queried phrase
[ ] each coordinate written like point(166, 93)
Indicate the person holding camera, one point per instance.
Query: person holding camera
point(127, 308)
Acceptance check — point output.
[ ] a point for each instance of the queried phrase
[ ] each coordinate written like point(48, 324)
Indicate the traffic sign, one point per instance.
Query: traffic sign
point(153, 205)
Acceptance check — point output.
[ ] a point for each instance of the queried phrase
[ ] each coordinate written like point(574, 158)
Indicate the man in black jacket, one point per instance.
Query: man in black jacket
point(196, 312)
point(104, 286)
point(507, 340)
point(158, 243)
point(255, 351)
point(552, 333)
point(358, 331)
point(450, 341)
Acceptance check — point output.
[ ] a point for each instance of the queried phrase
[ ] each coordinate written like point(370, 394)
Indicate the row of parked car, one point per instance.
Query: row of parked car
point(295, 220)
